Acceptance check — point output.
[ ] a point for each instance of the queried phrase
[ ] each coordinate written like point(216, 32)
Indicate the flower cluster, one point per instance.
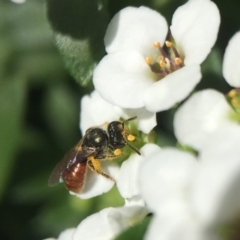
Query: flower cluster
point(150, 68)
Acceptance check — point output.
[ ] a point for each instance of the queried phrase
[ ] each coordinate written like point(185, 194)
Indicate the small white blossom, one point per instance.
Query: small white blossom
point(201, 115)
point(191, 198)
point(108, 223)
point(216, 192)
point(65, 235)
point(208, 110)
point(164, 176)
point(164, 182)
point(96, 184)
point(231, 61)
point(123, 77)
point(180, 226)
point(128, 181)
point(95, 111)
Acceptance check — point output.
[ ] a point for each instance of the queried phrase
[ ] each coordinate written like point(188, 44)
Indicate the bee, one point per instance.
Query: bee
point(98, 143)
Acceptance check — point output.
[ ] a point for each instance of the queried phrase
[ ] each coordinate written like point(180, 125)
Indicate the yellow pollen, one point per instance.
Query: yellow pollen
point(178, 61)
point(232, 93)
point(157, 45)
point(235, 102)
point(148, 60)
point(160, 58)
point(162, 63)
point(117, 152)
point(168, 44)
point(130, 137)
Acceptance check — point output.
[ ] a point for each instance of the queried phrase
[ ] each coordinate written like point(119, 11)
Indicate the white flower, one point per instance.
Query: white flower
point(164, 182)
point(201, 115)
point(123, 77)
point(216, 192)
point(163, 177)
point(108, 223)
point(95, 111)
point(65, 235)
point(231, 61)
point(97, 184)
point(128, 181)
point(191, 198)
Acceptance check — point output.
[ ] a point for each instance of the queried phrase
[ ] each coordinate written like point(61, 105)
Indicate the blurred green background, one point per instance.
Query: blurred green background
point(40, 104)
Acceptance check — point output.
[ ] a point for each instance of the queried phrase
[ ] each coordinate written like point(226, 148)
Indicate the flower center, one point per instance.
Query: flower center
point(168, 61)
point(233, 98)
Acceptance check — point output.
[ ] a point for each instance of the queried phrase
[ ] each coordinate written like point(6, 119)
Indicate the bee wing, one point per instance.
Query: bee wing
point(72, 157)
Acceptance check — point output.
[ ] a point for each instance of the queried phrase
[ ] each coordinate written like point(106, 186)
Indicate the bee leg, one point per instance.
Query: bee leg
point(113, 154)
point(95, 166)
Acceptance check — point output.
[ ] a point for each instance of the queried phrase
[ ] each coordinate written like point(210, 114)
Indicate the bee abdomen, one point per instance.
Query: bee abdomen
point(74, 177)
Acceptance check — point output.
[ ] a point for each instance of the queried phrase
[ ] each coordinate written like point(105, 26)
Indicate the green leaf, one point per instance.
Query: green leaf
point(79, 27)
point(12, 103)
point(77, 58)
point(136, 232)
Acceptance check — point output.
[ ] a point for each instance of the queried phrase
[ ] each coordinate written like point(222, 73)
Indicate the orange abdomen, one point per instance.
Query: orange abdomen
point(74, 177)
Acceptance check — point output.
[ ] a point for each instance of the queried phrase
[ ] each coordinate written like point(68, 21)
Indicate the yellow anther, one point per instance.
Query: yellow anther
point(117, 152)
point(232, 93)
point(235, 102)
point(157, 45)
point(160, 58)
point(178, 61)
point(168, 44)
point(130, 137)
point(162, 63)
point(148, 60)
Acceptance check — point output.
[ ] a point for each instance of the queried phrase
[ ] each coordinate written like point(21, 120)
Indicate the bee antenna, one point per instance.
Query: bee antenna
point(129, 119)
point(133, 148)
point(126, 141)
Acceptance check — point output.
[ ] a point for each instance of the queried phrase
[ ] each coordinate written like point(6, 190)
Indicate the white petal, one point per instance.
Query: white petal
point(67, 234)
point(231, 61)
point(95, 111)
point(95, 227)
point(178, 227)
point(18, 1)
point(128, 181)
point(124, 217)
point(96, 184)
point(121, 78)
point(136, 200)
point(195, 28)
point(165, 177)
point(200, 115)
point(108, 223)
point(216, 192)
point(135, 29)
point(172, 89)
point(146, 120)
